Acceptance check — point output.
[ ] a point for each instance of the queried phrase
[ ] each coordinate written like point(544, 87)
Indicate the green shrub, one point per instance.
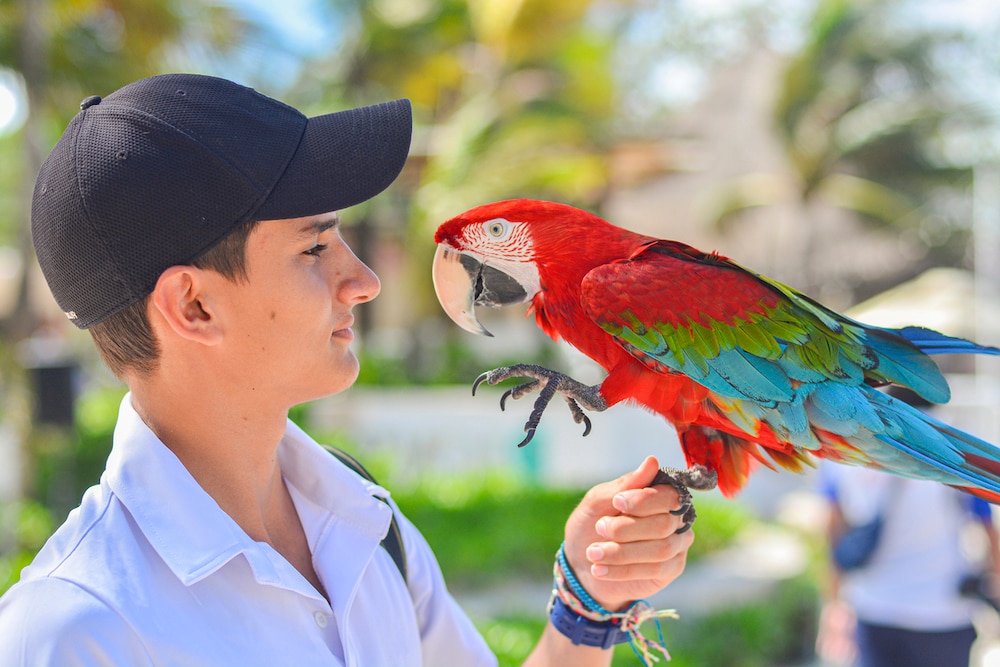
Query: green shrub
point(512, 638)
point(777, 630)
point(24, 527)
point(487, 528)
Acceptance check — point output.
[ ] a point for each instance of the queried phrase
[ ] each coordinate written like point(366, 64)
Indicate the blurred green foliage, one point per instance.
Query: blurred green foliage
point(68, 462)
point(450, 362)
point(24, 527)
point(496, 542)
point(778, 630)
point(513, 637)
point(485, 529)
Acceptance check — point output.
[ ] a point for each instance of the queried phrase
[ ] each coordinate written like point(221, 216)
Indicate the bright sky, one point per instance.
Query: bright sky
point(12, 112)
point(297, 20)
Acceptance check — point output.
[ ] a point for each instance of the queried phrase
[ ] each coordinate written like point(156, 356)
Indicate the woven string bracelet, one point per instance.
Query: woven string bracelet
point(568, 588)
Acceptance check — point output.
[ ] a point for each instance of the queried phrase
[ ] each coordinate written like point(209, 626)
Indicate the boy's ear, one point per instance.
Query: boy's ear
point(181, 299)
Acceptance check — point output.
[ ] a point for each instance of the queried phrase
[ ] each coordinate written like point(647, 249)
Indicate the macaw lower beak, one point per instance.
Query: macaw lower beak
point(462, 282)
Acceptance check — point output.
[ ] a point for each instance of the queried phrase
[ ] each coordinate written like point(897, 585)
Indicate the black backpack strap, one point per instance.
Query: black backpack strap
point(393, 541)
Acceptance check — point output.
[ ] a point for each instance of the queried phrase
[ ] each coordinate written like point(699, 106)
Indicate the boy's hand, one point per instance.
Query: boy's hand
point(621, 541)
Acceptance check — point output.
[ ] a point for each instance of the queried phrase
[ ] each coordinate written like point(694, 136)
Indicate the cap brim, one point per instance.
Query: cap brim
point(343, 159)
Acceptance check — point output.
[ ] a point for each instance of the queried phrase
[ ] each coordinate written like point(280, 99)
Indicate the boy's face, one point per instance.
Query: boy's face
point(290, 323)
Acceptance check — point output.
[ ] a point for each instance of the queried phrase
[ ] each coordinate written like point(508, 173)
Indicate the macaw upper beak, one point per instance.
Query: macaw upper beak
point(462, 281)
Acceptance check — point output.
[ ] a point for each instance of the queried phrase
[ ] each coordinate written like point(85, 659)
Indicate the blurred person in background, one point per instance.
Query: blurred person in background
point(911, 603)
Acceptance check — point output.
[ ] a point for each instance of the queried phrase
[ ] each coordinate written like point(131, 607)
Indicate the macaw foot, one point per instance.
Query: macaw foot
point(546, 382)
point(696, 477)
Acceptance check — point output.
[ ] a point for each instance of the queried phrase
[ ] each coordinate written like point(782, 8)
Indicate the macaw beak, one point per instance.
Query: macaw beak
point(462, 281)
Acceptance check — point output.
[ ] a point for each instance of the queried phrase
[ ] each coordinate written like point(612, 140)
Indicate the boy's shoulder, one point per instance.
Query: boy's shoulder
point(100, 531)
point(52, 621)
point(63, 602)
point(87, 527)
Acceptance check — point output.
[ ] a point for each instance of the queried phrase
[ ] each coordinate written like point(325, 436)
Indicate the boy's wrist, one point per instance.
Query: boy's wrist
point(583, 631)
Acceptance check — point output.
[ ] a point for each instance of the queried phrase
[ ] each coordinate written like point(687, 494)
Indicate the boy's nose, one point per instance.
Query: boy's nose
point(357, 283)
point(368, 283)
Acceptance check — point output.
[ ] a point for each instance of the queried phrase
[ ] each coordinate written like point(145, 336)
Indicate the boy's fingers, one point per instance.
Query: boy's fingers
point(663, 571)
point(627, 528)
point(653, 560)
point(647, 551)
point(647, 501)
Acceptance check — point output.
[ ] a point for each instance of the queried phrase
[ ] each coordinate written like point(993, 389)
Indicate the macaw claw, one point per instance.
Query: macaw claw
point(696, 477)
point(546, 382)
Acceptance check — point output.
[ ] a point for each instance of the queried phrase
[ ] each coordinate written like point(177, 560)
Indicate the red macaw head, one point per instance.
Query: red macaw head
point(486, 257)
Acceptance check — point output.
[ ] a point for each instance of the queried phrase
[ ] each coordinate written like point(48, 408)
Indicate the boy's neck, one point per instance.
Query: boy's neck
point(229, 447)
point(231, 450)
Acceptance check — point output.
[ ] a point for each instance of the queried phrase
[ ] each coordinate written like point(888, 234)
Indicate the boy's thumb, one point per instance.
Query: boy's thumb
point(642, 476)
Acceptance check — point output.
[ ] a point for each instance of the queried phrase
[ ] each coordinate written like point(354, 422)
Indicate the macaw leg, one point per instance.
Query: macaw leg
point(696, 477)
point(546, 382)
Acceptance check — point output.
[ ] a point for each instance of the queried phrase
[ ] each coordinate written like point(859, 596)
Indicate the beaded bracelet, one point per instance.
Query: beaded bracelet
point(594, 625)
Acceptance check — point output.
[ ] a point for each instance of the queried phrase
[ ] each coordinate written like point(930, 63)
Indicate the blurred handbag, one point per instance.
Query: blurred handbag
point(858, 544)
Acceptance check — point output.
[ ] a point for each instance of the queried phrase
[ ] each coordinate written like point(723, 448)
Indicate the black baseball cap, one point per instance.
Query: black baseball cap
point(161, 170)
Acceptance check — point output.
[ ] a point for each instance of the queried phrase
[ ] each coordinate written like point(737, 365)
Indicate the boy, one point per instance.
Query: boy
point(189, 223)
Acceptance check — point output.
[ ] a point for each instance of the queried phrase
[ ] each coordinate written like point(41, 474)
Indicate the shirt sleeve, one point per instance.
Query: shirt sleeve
point(447, 635)
point(53, 622)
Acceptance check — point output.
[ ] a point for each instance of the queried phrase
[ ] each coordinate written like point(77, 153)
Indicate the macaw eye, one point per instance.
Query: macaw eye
point(497, 229)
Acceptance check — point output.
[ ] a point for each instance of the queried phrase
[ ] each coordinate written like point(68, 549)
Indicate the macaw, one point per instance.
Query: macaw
point(748, 370)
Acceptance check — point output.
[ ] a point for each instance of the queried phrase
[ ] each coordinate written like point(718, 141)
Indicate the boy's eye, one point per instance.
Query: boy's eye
point(316, 249)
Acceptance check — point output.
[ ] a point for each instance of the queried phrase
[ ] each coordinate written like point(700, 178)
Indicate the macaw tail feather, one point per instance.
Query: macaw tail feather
point(733, 458)
point(988, 496)
point(903, 358)
point(868, 428)
point(717, 451)
point(933, 342)
point(936, 451)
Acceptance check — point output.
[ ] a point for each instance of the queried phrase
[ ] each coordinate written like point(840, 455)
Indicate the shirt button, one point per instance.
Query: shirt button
point(321, 619)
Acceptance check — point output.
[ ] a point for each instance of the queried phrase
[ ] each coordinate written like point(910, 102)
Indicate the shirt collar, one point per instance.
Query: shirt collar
point(185, 525)
point(327, 483)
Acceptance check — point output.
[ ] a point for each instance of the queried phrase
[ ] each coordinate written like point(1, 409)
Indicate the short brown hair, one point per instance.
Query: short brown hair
point(126, 340)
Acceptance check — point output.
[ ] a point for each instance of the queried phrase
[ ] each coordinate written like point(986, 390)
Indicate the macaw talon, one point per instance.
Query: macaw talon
point(697, 477)
point(578, 415)
point(544, 396)
point(483, 377)
point(547, 382)
point(684, 507)
point(517, 392)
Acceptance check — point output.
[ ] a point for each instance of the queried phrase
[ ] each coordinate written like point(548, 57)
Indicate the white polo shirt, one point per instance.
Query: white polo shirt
point(150, 571)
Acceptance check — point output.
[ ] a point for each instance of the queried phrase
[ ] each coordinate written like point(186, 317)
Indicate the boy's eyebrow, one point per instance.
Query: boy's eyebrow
point(319, 226)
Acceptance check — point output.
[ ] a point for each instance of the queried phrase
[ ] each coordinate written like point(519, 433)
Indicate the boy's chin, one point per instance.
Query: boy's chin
point(346, 378)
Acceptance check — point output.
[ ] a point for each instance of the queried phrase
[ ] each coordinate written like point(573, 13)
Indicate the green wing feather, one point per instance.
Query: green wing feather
point(740, 334)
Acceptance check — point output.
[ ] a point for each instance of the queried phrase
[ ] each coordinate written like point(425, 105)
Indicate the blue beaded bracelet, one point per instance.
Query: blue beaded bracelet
point(583, 631)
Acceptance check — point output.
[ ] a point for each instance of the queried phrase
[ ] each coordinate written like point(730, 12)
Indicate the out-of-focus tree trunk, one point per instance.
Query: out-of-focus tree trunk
point(33, 64)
